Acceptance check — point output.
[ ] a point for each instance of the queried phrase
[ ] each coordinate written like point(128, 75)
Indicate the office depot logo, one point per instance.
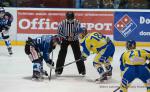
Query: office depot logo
point(38, 21)
point(125, 25)
point(37, 24)
point(47, 21)
point(43, 23)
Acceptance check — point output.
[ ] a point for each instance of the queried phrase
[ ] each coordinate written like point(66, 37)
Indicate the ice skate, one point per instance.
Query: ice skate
point(57, 73)
point(83, 73)
point(36, 75)
point(43, 72)
point(103, 78)
point(10, 51)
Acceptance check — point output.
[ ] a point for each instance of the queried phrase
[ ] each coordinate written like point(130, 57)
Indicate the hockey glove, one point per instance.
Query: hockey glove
point(108, 39)
point(83, 58)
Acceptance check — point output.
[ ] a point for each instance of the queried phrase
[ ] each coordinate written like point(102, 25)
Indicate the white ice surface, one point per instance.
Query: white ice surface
point(16, 71)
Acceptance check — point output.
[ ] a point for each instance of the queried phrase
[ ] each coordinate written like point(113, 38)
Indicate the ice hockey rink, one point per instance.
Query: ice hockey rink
point(16, 71)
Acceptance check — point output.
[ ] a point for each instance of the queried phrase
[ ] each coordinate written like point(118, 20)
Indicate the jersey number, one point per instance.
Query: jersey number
point(96, 36)
point(133, 54)
point(39, 40)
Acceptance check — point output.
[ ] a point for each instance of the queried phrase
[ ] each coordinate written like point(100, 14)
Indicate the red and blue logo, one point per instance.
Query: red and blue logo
point(125, 25)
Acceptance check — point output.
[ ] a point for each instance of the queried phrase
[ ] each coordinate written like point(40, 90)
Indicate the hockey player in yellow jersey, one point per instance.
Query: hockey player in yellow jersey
point(104, 49)
point(133, 65)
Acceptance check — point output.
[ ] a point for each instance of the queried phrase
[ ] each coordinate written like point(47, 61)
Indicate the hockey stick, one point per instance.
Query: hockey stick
point(68, 64)
point(49, 77)
point(116, 89)
point(50, 72)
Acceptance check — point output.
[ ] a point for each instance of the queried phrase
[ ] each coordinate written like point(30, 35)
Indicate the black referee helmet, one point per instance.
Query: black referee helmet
point(70, 15)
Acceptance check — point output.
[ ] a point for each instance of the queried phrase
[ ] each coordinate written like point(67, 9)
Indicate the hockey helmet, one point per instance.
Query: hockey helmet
point(2, 11)
point(131, 44)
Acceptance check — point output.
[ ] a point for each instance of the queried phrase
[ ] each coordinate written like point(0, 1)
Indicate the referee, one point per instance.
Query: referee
point(68, 31)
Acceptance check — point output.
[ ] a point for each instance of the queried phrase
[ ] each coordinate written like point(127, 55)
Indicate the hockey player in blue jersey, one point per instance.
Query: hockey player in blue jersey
point(5, 22)
point(38, 49)
point(133, 65)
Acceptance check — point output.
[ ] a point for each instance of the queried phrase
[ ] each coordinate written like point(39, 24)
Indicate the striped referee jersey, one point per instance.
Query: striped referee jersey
point(69, 29)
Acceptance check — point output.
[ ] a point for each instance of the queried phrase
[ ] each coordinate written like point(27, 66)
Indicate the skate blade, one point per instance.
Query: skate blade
point(38, 79)
point(99, 81)
point(109, 77)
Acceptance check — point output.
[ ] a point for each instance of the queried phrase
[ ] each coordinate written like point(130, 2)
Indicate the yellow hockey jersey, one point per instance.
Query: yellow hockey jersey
point(134, 57)
point(93, 42)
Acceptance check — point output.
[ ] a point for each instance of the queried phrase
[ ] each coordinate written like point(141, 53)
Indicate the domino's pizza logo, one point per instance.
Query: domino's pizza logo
point(125, 25)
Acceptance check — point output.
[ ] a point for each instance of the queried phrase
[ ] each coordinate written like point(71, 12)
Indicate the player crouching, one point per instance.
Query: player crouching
point(104, 49)
point(38, 49)
point(133, 65)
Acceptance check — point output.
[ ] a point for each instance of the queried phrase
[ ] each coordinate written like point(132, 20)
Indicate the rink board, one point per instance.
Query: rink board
point(34, 22)
point(21, 43)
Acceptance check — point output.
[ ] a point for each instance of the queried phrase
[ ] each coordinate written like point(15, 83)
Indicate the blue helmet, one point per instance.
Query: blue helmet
point(83, 30)
point(131, 44)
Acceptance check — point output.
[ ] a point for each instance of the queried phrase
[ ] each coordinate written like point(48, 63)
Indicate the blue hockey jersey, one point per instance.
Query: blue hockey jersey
point(44, 45)
point(5, 21)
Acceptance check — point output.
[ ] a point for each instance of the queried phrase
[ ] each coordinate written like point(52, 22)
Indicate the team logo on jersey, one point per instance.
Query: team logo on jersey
point(125, 25)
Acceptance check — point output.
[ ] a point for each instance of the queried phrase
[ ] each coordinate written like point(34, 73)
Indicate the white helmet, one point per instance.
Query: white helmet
point(2, 11)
